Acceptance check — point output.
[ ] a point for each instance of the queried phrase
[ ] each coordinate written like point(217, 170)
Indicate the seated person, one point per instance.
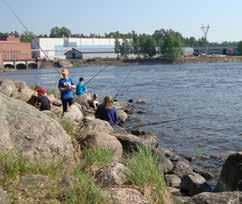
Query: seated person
point(81, 88)
point(94, 103)
point(42, 102)
point(107, 112)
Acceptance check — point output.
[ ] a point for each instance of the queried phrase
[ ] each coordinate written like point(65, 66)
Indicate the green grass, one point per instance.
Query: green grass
point(144, 173)
point(68, 126)
point(97, 157)
point(85, 191)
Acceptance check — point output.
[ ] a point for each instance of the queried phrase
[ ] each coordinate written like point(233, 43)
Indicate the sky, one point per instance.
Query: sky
point(143, 16)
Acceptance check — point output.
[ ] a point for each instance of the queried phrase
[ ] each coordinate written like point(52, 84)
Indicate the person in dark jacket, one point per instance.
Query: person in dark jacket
point(107, 112)
point(42, 101)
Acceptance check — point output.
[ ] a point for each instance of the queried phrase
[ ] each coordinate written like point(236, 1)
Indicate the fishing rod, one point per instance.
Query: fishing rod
point(26, 29)
point(95, 75)
point(122, 85)
point(161, 122)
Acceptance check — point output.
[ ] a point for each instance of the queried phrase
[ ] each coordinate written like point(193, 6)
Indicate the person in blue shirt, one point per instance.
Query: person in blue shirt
point(107, 112)
point(66, 87)
point(81, 88)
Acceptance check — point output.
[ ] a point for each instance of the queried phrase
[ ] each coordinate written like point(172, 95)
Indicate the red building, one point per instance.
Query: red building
point(11, 49)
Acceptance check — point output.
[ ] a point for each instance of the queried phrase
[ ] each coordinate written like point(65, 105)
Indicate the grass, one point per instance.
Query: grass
point(68, 126)
point(97, 157)
point(85, 191)
point(144, 173)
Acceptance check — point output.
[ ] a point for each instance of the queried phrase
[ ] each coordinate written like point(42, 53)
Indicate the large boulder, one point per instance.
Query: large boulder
point(104, 140)
point(73, 114)
point(231, 175)
point(112, 174)
point(7, 87)
point(122, 116)
point(182, 168)
point(194, 184)
point(124, 196)
point(37, 136)
point(93, 125)
point(131, 142)
point(217, 198)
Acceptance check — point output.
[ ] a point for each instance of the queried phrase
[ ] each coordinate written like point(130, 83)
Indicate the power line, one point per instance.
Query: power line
point(205, 30)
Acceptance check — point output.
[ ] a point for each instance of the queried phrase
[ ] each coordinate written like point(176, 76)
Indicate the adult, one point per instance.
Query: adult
point(66, 87)
point(107, 112)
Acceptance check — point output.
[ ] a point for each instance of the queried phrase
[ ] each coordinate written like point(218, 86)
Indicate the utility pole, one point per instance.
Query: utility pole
point(205, 30)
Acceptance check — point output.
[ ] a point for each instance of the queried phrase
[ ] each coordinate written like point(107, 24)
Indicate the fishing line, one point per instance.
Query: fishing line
point(95, 75)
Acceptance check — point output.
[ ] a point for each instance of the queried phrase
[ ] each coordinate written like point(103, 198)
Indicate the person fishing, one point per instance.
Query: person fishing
point(66, 87)
point(81, 88)
point(107, 112)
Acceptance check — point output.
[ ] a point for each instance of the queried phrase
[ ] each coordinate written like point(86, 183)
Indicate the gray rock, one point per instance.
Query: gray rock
point(182, 168)
point(32, 132)
point(68, 182)
point(104, 140)
point(181, 199)
point(112, 174)
point(131, 142)
point(122, 116)
point(231, 176)
point(165, 165)
point(3, 196)
point(217, 198)
point(124, 196)
point(194, 184)
point(174, 191)
point(73, 114)
point(203, 172)
point(173, 180)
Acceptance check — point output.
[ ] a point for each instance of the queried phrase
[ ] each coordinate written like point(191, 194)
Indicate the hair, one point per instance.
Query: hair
point(108, 101)
point(95, 96)
point(81, 79)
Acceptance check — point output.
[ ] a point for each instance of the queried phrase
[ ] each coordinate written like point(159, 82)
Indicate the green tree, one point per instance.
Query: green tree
point(117, 47)
point(240, 47)
point(147, 46)
point(172, 47)
point(125, 49)
point(57, 32)
point(27, 37)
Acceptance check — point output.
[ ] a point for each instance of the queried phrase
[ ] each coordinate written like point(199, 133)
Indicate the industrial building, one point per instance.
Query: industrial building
point(82, 48)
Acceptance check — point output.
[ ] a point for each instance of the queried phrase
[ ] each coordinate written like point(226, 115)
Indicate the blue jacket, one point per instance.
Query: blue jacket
point(63, 83)
point(81, 89)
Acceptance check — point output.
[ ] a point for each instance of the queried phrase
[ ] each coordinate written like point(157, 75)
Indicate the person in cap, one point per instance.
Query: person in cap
point(42, 102)
point(66, 87)
point(81, 88)
point(107, 112)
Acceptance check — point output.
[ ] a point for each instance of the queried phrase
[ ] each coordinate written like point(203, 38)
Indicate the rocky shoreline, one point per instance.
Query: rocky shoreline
point(49, 138)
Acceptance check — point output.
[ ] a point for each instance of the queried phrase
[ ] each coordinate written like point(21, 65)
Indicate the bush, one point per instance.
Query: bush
point(84, 191)
point(144, 173)
point(97, 157)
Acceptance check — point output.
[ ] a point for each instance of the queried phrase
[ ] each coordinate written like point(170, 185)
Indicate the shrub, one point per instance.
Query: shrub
point(144, 173)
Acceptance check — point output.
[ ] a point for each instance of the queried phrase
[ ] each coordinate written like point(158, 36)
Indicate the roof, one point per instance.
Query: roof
point(71, 50)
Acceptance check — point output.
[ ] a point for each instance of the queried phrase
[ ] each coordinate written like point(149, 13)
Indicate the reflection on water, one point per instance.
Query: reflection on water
point(211, 91)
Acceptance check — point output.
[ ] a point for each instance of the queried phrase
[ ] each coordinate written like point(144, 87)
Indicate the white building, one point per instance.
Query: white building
point(89, 47)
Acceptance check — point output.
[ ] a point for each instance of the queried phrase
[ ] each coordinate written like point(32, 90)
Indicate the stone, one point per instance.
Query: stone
point(3, 196)
point(231, 175)
point(124, 196)
point(112, 174)
point(73, 114)
point(182, 168)
point(23, 92)
point(181, 199)
point(173, 180)
point(90, 125)
point(165, 165)
point(174, 191)
point(68, 182)
point(203, 172)
point(122, 116)
point(7, 87)
point(131, 142)
point(217, 198)
point(25, 129)
point(104, 140)
point(194, 184)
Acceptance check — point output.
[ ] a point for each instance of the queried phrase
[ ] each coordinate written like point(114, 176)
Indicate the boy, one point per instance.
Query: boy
point(42, 103)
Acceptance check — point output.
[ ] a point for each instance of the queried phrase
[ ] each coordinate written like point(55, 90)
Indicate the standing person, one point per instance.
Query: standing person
point(107, 112)
point(66, 87)
point(42, 102)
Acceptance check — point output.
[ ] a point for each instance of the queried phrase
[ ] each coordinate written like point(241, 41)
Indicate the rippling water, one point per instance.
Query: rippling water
point(211, 91)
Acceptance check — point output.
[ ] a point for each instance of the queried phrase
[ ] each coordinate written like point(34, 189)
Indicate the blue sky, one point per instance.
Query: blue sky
point(143, 16)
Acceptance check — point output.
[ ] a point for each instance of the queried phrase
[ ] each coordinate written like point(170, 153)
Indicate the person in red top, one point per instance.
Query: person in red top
point(42, 103)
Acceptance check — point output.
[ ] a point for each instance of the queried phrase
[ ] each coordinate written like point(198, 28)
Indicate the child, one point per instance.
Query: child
point(95, 101)
point(43, 103)
point(81, 88)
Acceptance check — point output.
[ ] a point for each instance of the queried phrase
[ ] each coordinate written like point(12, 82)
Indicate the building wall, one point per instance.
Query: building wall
point(13, 49)
point(56, 47)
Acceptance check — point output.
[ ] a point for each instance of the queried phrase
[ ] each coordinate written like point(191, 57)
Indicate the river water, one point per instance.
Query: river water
point(213, 92)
